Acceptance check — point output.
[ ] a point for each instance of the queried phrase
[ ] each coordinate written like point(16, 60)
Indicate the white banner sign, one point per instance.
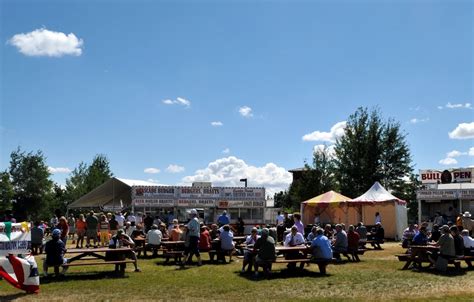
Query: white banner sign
point(444, 194)
point(244, 193)
point(196, 203)
point(153, 203)
point(15, 238)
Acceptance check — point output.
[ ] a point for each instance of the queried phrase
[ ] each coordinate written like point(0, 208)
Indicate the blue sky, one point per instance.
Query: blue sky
point(178, 91)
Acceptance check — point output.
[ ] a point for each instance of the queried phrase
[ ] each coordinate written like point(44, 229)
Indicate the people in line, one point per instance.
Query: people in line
point(92, 227)
point(81, 227)
point(64, 228)
point(104, 230)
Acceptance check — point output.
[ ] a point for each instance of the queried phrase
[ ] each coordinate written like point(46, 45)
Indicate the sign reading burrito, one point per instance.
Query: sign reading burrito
point(15, 238)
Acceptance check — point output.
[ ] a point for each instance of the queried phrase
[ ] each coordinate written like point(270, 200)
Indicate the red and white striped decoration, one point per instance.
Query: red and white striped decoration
point(22, 273)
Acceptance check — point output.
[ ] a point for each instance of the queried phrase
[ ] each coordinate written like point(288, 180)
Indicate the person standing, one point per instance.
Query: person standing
point(378, 218)
point(104, 230)
point(80, 230)
point(64, 227)
point(92, 225)
point(71, 221)
point(194, 234)
point(120, 219)
point(223, 219)
point(297, 222)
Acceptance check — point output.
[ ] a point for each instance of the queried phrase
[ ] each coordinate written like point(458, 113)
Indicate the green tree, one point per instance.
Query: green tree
point(323, 164)
point(84, 178)
point(6, 191)
point(31, 183)
point(370, 150)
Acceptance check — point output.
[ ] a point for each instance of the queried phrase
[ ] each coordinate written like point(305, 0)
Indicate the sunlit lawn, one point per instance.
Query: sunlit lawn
point(377, 277)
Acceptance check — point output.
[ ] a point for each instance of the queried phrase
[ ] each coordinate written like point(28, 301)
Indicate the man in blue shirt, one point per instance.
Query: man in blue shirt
point(322, 251)
point(223, 219)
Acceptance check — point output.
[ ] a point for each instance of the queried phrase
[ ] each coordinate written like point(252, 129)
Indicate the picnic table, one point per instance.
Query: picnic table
point(173, 249)
point(418, 254)
point(98, 256)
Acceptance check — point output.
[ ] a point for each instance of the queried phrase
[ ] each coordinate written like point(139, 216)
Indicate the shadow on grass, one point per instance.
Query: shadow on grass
point(12, 297)
point(282, 274)
point(81, 277)
point(451, 272)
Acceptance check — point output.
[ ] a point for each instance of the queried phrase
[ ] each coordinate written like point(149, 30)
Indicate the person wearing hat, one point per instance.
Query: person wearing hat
point(55, 250)
point(223, 219)
point(468, 243)
point(92, 228)
point(446, 249)
point(118, 241)
point(194, 234)
point(467, 222)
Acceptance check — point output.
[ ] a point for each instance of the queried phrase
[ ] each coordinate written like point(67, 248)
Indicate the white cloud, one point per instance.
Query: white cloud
point(178, 101)
point(417, 120)
point(463, 131)
point(174, 169)
point(43, 42)
point(471, 151)
point(448, 161)
point(246, 111)
point(216, 124)
point(455, 153)
point(152, 170)
point(440, 107)
point(226, 151)
point(58, 170)
point(336, 131)
point(329, 149)
point(228, 171)
point(455, 106)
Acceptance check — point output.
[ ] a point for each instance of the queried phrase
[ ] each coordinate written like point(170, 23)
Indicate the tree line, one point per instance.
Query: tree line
point(27, 190)
point(370, 150)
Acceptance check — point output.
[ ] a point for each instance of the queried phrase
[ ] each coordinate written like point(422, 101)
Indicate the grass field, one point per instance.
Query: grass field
point(377, 277)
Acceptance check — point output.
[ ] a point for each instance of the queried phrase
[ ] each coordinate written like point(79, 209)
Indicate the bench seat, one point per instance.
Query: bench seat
point(97, 263)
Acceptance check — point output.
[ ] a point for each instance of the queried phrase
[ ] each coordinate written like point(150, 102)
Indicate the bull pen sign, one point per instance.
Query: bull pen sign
point(446, 176)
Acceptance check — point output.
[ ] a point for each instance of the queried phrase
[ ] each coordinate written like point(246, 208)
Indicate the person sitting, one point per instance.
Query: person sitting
point(153, 238)
point(340, 243)
point(353, 243)
point(446, 250)
point(435, 233)
point(458, 241)
point(312, 234)
point(248, 255)
point(37, 236)
point(408, 235)
point(322, 251)
point(227, 243)
point(118, 241)
point(379, 236)
point(55, 250)
point(328, 232)
point(294, 238)
point(362, 231)
point(468, 245)
point(176, 232)
point(421, 238)
point(204, 239)
point(265, 250)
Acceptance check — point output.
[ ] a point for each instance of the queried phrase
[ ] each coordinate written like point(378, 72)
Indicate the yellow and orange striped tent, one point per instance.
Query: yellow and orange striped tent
point(331, 207)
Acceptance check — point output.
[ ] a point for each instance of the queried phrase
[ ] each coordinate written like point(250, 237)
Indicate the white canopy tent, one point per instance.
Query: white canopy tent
point(114, 193)
point(392, 210)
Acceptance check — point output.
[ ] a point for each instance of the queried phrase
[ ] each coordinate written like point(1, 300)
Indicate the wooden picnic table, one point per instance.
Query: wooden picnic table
point(419, 254)
point(98, 256)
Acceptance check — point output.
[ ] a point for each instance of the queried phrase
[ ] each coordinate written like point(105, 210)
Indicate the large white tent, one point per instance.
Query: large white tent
point(114, 193)
point(393, 210)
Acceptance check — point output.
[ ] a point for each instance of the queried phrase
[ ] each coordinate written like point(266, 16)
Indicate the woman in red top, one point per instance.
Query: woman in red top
point(353, 243)
point(64, 227)
point(204, 240)
point(80, 230)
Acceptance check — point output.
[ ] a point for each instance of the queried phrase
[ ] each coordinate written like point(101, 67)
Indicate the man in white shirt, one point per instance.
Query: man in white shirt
point(131, 217)
point(153, 238)
point(294, 238)
point(120, 219)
